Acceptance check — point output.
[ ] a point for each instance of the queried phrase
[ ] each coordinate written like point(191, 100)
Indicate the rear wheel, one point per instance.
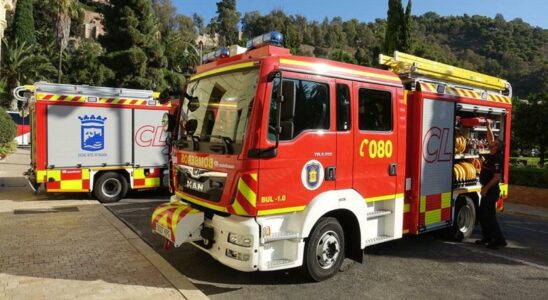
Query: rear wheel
point(110, 187)
point(324, 251)
point(465, 219)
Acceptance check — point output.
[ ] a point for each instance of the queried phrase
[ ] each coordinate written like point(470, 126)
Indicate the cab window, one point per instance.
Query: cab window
point(375, 110)
point(312, 109)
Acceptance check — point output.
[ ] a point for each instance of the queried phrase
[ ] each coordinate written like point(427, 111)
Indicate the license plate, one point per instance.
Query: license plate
point(163, 231)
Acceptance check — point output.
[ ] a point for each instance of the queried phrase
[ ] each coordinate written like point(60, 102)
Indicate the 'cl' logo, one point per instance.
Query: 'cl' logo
point(436, 145)
point(150, 136)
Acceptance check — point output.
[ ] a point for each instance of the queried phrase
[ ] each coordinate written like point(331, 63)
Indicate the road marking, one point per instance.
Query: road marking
point(525, 228)
point(517, 260)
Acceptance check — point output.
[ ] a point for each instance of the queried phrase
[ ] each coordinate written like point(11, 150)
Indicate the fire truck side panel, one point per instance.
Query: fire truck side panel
point(149, 138)
point(436, 163)
point(88, 136)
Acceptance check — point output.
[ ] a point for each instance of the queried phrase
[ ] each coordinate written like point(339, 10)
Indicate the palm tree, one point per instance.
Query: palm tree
point(21, 65)
point(66, 10)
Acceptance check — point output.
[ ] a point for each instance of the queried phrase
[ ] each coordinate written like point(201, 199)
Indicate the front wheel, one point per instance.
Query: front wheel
point(465, 219)
point(324, 251)
point(110, 187)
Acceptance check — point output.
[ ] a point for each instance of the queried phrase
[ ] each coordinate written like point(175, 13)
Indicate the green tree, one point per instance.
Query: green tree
point(226, 22)
point(529, 122)
point(23, 23)
point(407, 28)
point(21, 65)
point(393, 36)
point(342, 56)
point(134, 50)
point(66, 11)
point(84, 65)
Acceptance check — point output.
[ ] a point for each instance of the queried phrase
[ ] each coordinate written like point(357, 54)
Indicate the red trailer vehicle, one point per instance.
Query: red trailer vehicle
point(322, 158)
point(95, 139)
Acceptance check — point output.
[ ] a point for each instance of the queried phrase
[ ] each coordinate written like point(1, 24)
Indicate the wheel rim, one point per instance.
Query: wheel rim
point(464, 218)
point(112, 187)
point(328, 249)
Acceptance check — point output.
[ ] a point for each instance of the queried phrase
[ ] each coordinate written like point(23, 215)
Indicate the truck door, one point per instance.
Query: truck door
point(304, 166)
point(376, 142)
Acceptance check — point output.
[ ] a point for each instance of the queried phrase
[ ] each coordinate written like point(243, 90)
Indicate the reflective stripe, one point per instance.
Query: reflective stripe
point(223, 69)
point(382, 198)
point(326, 69)
point(280, 210)
point(200, 202)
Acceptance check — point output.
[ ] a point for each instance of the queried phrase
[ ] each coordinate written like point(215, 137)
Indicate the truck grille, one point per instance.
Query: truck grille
point(201, 183)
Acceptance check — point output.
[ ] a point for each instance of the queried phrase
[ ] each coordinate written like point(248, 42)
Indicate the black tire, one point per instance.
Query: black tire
point(328, 235)
point(464, 219)
point(110, 187)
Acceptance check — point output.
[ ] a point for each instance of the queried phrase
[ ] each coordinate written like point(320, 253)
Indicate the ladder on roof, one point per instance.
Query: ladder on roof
point(403, 63)
point(23, 93)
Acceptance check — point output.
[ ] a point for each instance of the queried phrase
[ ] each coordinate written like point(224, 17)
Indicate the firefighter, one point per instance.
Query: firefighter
point(489, 178)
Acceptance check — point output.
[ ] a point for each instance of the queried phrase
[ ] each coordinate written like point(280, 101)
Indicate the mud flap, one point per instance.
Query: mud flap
point(177, 222)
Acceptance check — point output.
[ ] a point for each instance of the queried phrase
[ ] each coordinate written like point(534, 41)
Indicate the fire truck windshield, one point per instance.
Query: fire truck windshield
point(225, 103)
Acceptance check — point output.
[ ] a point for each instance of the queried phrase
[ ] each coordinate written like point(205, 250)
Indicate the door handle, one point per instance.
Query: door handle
point(393, 169)
point(330, 173)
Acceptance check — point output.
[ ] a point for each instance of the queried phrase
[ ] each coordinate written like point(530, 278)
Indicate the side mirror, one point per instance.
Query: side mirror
point(289, 93)
point(190, 126)
point(193, 104)
point(168, 122)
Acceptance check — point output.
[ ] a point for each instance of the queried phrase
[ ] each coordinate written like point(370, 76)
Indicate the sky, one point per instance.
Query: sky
point(533, 12)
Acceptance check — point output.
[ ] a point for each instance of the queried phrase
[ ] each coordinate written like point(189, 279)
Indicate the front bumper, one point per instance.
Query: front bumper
point(179, 223)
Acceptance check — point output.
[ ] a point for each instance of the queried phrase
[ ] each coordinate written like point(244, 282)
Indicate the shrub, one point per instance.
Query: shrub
point(8, 129)
point(534, 177)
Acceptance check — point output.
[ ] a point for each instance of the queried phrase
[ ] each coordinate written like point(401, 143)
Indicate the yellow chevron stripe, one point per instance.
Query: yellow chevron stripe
point(248, 193)
point(238, 208)
point(176, 216)
point(160, 210)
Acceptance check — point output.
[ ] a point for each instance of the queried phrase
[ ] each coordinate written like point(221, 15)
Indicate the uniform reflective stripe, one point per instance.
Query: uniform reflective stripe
point(383, 198)
point(280, 210)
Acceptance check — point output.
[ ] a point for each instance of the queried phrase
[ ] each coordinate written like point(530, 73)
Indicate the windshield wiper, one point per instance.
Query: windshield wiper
point(228, 142)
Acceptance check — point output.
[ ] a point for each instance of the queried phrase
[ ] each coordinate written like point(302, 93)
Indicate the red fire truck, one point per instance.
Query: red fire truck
point(318, 159)
point(95, 139)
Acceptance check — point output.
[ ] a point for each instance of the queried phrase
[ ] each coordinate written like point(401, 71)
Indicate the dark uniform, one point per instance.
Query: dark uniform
point(487, 211)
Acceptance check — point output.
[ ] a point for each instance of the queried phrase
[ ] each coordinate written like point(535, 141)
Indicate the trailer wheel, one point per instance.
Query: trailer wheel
point(324, 250)
point(110, 187)
point(464, 221)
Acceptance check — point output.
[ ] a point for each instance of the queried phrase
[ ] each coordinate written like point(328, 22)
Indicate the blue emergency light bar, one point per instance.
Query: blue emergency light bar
point(215, 55)
point(272, 38)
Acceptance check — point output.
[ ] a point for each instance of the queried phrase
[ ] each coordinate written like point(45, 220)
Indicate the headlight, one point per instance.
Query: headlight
point(240, 240)
point(236, 255)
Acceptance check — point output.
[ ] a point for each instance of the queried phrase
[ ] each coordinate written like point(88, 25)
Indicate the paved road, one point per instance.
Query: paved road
point(426, 266)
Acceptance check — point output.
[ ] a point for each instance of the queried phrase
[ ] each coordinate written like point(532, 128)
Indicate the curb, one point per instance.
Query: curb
point(178, 280)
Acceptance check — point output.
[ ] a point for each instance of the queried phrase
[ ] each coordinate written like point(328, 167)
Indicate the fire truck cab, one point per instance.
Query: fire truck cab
point(281, 161)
